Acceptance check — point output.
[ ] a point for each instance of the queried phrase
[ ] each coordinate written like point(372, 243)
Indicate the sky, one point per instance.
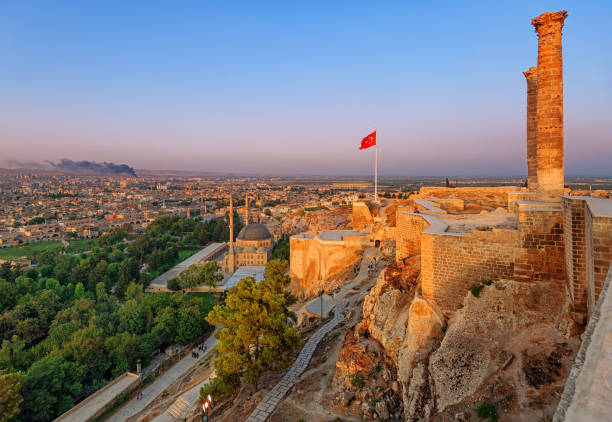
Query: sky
point(291, 87)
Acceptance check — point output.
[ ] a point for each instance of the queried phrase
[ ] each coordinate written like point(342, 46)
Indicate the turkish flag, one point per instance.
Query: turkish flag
point(368, 141)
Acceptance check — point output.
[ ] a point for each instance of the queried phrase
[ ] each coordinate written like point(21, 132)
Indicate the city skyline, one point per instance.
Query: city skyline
point(289, 89)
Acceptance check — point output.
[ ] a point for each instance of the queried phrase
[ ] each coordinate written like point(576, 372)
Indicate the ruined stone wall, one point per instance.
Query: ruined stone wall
point(452, 263)
point(494, 196)
point(542, 254)
point(599, 253)
point(313, 260)
point(408, 234)
point(362, 217)
point(575, 241)
point(516, 196)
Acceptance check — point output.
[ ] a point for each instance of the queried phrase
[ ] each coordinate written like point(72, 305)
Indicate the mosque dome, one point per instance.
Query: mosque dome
point(254, 232)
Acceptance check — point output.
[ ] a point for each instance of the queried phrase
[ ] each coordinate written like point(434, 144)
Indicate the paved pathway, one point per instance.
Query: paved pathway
point(149, 394)
point(162, 280)
point(274, 396)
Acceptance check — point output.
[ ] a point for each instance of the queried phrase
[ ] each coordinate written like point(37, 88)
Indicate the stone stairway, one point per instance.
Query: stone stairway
point(179, 408)
point(274, 396)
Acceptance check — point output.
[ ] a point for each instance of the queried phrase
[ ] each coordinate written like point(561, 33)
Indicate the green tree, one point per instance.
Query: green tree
point(128, 272)
point(97, 275)
point(173, 284)
point(79, 291)
point(10, 396)
point(51, 383)
point(208, 274)
point(255, 334)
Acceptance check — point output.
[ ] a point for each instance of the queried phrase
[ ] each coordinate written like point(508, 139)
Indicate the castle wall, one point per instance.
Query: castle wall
point(314, 259)
point(409, 229)
point(517, 196)
point(575, 241)
point(361, 216)
point(598, 246)
point(542, 254)
point(493, 196)
point(452, 263)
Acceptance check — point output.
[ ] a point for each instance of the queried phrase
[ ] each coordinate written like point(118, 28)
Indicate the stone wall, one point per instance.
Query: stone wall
point(575, 241)
point(362, 217)
point(409, 229)
point(542, 246)
point(314, 260)
point(496, 196)
point(451, 263)
point(599, 247)
point(517, 196)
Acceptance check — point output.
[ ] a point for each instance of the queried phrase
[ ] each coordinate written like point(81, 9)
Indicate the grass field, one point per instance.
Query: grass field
point(30, 250)
point(80, 245)
point(185, 253)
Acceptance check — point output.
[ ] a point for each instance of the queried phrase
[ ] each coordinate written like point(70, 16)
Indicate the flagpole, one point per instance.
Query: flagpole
point(376, 171)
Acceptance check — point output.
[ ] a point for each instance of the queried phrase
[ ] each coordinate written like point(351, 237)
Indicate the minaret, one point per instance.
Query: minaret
point(550, 106)
point(231, 259)
point(246, 205)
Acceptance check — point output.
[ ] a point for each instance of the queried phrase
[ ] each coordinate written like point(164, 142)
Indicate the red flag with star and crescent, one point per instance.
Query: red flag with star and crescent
point(368, 141)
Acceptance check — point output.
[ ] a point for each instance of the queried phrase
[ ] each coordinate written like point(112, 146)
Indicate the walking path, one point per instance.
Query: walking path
point(149, 394)
point(211, 250)
point(274, 396)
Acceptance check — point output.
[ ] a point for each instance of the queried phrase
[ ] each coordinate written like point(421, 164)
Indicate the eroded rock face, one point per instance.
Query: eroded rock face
point(500, 338)
point(507, 315)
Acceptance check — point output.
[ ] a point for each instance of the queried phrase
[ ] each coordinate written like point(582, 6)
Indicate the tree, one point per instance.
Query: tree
point(97, 275)
point(79, 291)
point(255, 334)
point(173, 284)
point(51, 383)
point(208, 274)
point(10, 396)
point(129, 271)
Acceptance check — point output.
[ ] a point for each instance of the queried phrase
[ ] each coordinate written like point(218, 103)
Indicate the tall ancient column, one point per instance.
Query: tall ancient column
point(532, 139)
point(549, 106)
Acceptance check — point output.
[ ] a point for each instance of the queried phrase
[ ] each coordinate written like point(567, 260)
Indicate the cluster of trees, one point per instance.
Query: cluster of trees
point(208, 274)
point(64, 343)
point(257, 334)
point(80, 320)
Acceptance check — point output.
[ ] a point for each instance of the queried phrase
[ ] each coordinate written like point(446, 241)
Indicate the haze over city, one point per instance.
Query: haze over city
point(291, 88)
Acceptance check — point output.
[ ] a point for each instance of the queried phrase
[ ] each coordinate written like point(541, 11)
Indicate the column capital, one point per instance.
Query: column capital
point(531, 73)
point(549, 22)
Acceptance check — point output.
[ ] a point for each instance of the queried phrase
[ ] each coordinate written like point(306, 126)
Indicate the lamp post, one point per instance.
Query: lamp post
point(205, 408)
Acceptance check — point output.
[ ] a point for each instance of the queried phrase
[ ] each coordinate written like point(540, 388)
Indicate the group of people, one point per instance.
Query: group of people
point(139, 395)
point(196, 354)
point(372, 267)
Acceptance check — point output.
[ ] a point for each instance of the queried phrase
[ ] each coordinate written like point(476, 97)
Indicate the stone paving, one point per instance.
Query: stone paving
point(274, 396)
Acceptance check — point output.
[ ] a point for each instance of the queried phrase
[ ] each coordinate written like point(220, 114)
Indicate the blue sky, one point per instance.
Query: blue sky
point(291, 87)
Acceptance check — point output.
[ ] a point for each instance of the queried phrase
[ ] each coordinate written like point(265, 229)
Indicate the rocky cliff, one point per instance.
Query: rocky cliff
point(506, 351)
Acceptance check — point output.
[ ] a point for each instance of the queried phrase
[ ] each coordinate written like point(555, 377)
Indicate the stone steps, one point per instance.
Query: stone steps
point(179, 408)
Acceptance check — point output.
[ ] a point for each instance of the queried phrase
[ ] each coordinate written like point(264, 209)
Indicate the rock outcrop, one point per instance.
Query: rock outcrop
point(505, 346)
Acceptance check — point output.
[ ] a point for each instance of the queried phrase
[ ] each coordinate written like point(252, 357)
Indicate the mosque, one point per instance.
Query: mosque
point(253, 244)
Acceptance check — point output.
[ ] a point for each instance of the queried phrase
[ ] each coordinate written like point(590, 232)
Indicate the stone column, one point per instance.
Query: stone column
point(532, 139)
point(549, 106)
